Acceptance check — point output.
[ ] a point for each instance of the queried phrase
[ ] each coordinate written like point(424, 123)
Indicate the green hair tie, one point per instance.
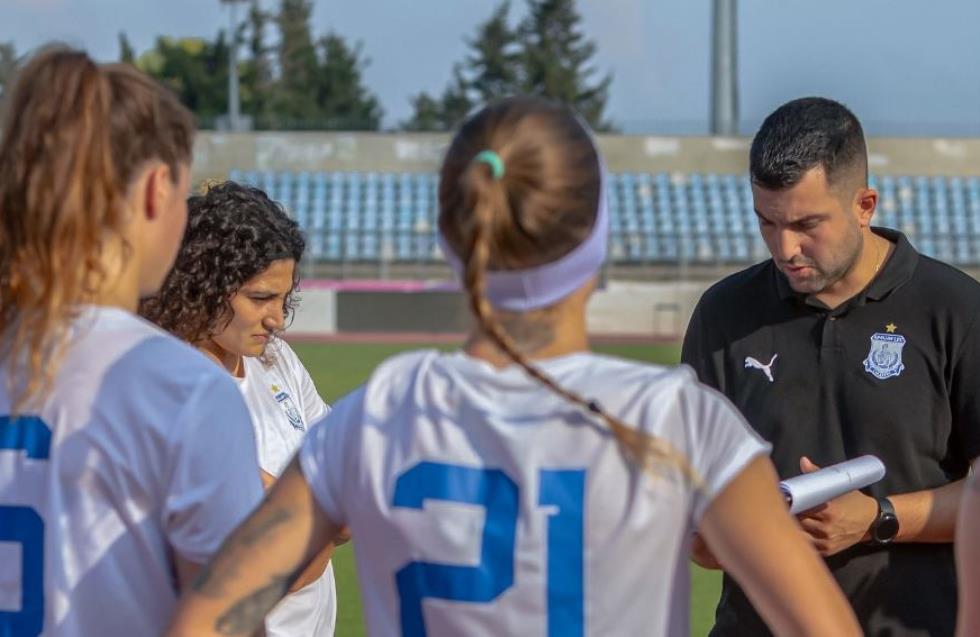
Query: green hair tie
point(493, 160)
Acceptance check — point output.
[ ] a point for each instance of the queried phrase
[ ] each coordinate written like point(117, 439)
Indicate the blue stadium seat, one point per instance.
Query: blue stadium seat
point(654, 218)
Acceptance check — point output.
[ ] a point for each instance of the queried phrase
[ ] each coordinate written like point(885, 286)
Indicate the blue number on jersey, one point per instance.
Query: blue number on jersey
point(24, 526)
point(499, 495)
point(565, 489)
point(495, 572)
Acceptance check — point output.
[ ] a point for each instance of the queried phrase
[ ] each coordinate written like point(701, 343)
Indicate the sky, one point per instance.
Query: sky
point(906, 67)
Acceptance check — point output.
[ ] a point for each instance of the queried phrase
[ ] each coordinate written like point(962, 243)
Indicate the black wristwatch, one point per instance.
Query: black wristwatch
point(885, 527)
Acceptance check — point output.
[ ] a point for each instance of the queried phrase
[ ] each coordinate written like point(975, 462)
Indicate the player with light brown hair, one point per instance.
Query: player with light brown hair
point(108, 425)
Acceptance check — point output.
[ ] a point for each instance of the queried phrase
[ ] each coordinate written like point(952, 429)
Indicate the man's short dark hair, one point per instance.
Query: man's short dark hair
point(803, 134)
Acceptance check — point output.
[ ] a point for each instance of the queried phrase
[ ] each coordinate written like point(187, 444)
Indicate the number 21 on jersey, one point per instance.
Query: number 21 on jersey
point(22, 525)
point(561, 491)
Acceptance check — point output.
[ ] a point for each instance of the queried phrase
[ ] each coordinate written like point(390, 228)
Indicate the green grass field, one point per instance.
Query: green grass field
point(338, 368)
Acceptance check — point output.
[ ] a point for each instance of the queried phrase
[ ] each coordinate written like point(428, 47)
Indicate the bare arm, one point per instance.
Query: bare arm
point(968, 558)
point(782, 575)
point(187, 572)
point(928, 516)
point(923, 516)
point(257, 563)
point(319, 563)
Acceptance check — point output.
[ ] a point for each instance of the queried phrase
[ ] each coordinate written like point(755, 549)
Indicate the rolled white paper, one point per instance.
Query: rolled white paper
point(806, 491)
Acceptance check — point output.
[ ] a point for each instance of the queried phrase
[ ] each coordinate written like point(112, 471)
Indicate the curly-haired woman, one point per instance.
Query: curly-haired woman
point(230, 294)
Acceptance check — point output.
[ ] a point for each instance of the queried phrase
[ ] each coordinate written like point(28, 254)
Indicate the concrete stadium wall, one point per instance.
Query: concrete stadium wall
point(657, 310)
point(216, 154)
point(316, 314)
point(621, 309)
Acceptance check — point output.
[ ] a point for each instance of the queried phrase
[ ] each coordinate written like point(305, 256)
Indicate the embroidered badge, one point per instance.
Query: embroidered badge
point(885, 358)
point(753, 363)
point(289, 407)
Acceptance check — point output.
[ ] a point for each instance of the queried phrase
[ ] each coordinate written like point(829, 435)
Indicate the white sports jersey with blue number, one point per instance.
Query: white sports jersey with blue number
point(113, 475)
point(482, 504)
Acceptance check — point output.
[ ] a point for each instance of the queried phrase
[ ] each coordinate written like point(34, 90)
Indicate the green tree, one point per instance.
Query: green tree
point(320, 83)
point(342, 99)
point(494, 62)
point(195, 69)
point(292, 102)
point(255, 75)
point(556, 59)
point(426, 114)
point(444, 113)
point(456, 102)
point(546, 54)
point(126, 53)
point(8, 63)
point(489, 71)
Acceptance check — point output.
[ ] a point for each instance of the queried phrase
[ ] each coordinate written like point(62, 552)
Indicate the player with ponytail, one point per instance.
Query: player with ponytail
point(525, 485)
point(109, 492)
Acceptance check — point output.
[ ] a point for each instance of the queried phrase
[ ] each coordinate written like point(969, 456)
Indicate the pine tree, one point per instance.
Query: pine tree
point(556, 58)
point(455, 103)
point(426, 114)
point(126, 53)
point(256, 80)
point(343, 101)
point(547, 54)
point(293, 103)
point(444, 113)
point(491, 70)
point(8, 63)
point(495, 58)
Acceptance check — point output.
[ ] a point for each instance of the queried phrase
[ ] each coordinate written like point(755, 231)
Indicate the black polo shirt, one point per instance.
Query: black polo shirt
point(894, 372)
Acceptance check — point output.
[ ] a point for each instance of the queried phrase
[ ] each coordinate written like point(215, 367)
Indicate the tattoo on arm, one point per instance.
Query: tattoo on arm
point(223, 567)
point(209, 584)
point(245, 615)
point(253, 533)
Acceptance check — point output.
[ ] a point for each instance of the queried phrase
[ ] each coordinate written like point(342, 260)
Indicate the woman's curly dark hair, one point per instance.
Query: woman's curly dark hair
point(234, 232)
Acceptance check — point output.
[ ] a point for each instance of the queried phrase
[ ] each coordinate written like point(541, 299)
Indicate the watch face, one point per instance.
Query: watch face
point(886, 529)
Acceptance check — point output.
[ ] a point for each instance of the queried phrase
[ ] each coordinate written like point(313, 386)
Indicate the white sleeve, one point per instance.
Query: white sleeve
point(721, 442)
point(328, 454)
point(314, 407)
point(214, 476)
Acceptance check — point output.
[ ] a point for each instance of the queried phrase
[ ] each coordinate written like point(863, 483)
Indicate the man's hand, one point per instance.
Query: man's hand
point(840, 523)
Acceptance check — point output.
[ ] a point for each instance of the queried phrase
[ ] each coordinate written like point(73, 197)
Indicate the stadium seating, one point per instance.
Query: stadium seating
point(655, 218)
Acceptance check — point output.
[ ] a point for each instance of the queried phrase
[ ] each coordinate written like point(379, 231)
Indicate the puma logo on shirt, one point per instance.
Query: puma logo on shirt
point(753, 363)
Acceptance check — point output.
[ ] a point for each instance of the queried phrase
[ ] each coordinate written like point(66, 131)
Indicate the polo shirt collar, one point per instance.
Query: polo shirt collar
point(896, 271)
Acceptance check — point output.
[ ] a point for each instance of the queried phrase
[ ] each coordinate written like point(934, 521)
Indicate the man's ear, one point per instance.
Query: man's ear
point(866, 203)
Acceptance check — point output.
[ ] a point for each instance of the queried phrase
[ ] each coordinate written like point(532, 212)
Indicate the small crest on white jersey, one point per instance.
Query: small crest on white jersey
point(289, 408)
point(765, 368)
point(885, 358)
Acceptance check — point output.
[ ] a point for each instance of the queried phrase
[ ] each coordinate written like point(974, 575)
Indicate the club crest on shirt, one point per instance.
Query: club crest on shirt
point(289, 408)
point(885, 358)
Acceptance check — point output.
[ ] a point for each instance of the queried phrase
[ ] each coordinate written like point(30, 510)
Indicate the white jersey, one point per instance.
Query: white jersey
point(483, 504)
point(112, 476)
point(284, 402)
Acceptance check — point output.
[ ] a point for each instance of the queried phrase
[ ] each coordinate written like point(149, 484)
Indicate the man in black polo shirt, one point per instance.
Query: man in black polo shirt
point(849, 342)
